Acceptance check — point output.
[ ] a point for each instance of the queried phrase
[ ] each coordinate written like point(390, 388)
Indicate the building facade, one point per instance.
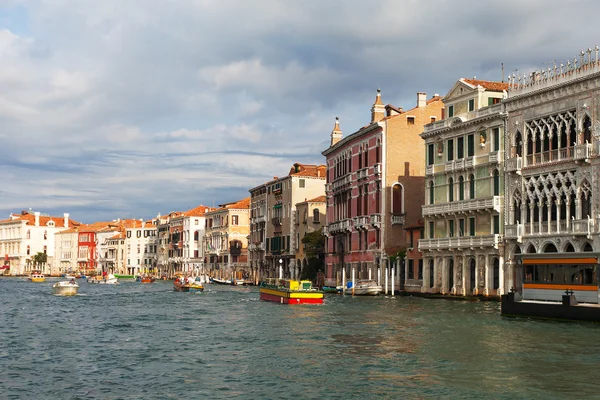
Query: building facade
point(375, 179)
point(226, 240)
point(258, 230)
point(24, 235)
point(304, 181)
point(464, 209)
point(553, 169)
point(310, 217)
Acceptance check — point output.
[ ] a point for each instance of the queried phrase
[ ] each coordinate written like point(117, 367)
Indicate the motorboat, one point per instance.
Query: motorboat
point(290, 292)
point(109, 279)
point(37, 277)
point(365, 287)
point(69, 277)
point(65, 288)
point(221, 281)
point(184, 284)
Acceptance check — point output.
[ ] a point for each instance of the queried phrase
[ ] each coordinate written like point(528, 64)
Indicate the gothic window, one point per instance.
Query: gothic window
point(461, 188)
point(518, 144)
point(431, 274)
point(450, 189)
point(569, 248)
point(588, 247)
point(550, 248)
point(531, 249)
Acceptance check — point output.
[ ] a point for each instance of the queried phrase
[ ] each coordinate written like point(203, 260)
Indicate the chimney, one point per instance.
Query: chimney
point(66, 219)
point(336, 133)
point(421, 99)
point(37, 218)
point(378, 109)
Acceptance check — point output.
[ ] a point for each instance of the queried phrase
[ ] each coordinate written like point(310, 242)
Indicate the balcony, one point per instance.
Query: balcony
point(449, 166)
point(460, 243)
point(362, 174)
point(514, 165)
point(575, 227)
point(376, 220)
point(328, 187)
point(398, 219)
point(429, 170)
point(582, 152)
point(341, 183)
point(377, 169)
point(276, 221)
point(361, 223)
point(463, 206)
point(514, 232)
point(496, 157)
point(340, 226)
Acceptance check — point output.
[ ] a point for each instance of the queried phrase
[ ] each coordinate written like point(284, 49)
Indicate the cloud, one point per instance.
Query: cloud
point(111, 108)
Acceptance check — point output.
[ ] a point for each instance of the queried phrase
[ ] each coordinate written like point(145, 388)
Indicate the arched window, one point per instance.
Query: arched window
point(316, 216)
point(569, 248)
point(397, 199)
point(496, 284)
point(450, 273)
point(29, 234)
point(518, 144)
point(45, 235)
point(196, 236)
point(531, 249)
point(28, 250)
point(461, 188)
point(550, 248)
point(450, 189)
point(471, 186)
point(496, 183)
point(588, 247)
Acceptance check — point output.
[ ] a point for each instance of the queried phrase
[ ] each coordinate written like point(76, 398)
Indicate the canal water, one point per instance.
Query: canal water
point(134, 341)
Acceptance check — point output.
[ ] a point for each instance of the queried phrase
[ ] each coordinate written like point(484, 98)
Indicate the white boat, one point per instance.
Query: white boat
point(109, 279)
point(364, 288)
point(69, 276)
point(65, 288)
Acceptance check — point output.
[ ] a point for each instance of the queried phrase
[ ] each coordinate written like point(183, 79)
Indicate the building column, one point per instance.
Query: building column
point(488, 281)
point(500, 274)
point(557, 202)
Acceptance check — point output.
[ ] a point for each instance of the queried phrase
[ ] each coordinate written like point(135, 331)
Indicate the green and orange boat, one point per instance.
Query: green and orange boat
point(286, 291)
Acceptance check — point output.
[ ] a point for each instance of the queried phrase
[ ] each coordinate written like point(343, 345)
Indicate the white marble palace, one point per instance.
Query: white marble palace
point(552, 166)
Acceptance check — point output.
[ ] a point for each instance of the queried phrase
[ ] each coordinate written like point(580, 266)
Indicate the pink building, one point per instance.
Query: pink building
point(375, 184)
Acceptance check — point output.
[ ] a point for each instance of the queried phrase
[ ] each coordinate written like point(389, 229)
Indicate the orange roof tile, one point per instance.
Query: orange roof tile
point(308, 170)
point(319, 199)
point(487, 85)
point(43, 220)
point(198, 211)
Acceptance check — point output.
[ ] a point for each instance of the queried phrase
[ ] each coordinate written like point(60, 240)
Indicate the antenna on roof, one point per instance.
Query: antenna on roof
point(502, 64)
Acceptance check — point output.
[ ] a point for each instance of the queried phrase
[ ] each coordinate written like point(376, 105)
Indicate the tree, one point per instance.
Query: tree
point(39, 259)
point(314, 247)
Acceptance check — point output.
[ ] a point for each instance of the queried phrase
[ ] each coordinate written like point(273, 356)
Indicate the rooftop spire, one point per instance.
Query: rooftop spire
point(378, 109)
point(336, 133)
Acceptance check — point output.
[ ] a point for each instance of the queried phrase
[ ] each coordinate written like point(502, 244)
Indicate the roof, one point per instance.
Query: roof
point(487, 85)
point(431, 100)
point(237, 205)
point(317, 171)
point(43, 220)
point(198, 211)
point(319, 199)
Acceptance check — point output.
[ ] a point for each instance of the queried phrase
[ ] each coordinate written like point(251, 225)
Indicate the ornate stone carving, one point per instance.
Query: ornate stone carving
point(481, 268)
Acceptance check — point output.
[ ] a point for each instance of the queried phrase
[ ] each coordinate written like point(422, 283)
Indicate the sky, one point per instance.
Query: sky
point(130, 108)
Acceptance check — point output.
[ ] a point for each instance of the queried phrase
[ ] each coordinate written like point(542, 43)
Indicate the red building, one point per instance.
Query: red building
point(375, 186)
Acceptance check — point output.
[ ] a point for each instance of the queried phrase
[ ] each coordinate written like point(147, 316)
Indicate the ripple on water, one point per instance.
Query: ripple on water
point(135, 341)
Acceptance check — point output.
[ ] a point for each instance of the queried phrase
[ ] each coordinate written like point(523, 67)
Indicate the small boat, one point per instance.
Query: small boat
point(147, 279)
point(109, 279)
point(365, 287)
point(37, 277)
point(68, 277)
point(65, 288)
point(187, 285)
point(220, 281)
point(333, 289)
point(290, 292)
